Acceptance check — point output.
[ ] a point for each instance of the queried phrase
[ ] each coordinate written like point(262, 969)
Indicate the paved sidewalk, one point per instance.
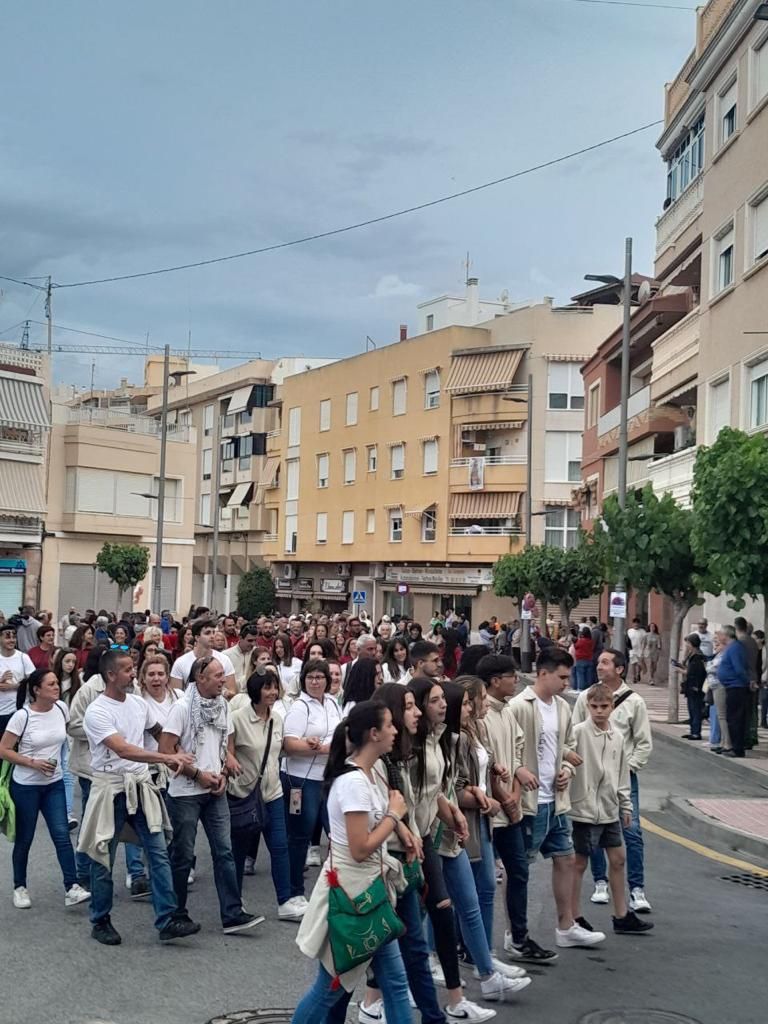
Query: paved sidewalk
point(748, 816)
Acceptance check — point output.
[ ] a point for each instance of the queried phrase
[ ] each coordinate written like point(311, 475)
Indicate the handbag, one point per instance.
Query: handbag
point(7, 806)
point(358, 926)
point(413, 875)
point(250, 811)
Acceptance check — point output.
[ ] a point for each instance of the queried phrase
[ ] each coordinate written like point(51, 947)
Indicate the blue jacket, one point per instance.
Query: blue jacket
point(732, 670)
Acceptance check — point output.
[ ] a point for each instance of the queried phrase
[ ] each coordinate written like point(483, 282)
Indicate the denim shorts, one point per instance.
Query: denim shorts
point(547, 833)
point(588, 837)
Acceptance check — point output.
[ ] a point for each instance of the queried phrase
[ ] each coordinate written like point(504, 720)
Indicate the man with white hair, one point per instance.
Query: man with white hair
point(366, 648)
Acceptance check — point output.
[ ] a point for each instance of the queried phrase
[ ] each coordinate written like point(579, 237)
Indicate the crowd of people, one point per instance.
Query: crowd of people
point(412, 750)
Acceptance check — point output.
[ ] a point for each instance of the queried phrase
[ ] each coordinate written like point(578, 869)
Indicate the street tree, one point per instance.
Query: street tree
point(125, 564)
point(256, 593)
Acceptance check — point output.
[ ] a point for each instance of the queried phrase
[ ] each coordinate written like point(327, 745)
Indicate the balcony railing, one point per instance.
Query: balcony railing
point(491, 460)
point(485, 531)
point(680, 214)
point(114, 419)
point(639, 402)
point(30, 448)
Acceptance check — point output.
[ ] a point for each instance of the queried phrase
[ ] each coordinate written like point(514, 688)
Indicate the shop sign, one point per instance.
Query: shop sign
point(333, 586)
point(303, 586)
point(419, 574)
point(283, 586)
point(12, 567)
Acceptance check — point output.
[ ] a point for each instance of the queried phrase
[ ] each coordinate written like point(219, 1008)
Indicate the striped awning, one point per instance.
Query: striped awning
point(417, 513)
point(22, 403)
point(390, 508)
point(483, 371)
point(394, 444)
point(239, 496)
point(485, 504)
point(21, 488)
point(239, 401)
point(268, 473)
point(498, 425)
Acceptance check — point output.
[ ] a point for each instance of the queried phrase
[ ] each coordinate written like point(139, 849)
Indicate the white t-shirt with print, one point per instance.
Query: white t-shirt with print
point(353, 792)
point(208, 753)
point(20, 666)
point(42, 735)
point(129, 718)
point(547, 752)
point(183, 665)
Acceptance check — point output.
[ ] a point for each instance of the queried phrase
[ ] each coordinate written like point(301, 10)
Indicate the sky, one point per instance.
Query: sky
point(143, 135)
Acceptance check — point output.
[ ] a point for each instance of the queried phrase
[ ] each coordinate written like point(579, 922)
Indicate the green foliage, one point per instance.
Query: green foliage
point(125, 564)
point(730, 504)
point(256, 593)
point(563, 576)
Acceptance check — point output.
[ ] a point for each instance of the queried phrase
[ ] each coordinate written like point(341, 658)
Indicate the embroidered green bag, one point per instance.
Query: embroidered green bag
point(7, 806)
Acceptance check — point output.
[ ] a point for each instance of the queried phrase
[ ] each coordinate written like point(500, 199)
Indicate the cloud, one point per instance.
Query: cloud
point(390, 286)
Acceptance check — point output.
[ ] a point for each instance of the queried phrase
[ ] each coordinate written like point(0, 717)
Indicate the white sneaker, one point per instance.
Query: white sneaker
point(601, 894)
point(577, 936)
point(464, 1010)
point(128, 881)
point(498, 989)
point(507, 970)
point(75, 894)
point(639, 902)
point(21, 898)
point(373, 1014)
point(314, 858)
point(191, 877)
point(292, 910)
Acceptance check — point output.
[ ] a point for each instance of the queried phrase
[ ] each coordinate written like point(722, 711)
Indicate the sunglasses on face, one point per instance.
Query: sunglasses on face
point(119, 647)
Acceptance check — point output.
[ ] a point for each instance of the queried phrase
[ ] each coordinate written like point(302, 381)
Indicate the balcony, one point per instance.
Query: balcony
point(680, 215)
point(496, 471)
point(674, 474)
point(114, 419)
point(483, 547)
point(675, 357)
point(639, 402)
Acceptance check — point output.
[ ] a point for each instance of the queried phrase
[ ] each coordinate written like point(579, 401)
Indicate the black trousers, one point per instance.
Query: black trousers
point(737, 708)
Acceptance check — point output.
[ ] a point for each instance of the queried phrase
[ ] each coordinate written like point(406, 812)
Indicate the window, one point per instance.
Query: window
point(291, 534)
point(207, 462)
point(373, 399)
point(325, 414)
point(172, 513)
point(350, 465)
point(261, 396)
point(228, 452)
point(259, 442)
point(228, 423)
point(370, 521)
point(759, 71)
point(430, 457)
point(292, 480)
point(373, 458)
point(245, 417)
point(430, 321)
point(208, 421)
point(757, 227)
point(726, 105)
point(347, 527)
point(395, 524)
point(397, 458)
point(593, 407)
point(294, 426)
point(321, 528)
point(429, 526)
point(431, 389)
point(719, 407)
point(323, 464)
point(561, 527)
point(758, 394)
point(205, 510)
point(723, 259)
point(562, 456)
point(565, 387)
point(245, 451)
point(351, 409)
point(399, 397)
point(687, 161)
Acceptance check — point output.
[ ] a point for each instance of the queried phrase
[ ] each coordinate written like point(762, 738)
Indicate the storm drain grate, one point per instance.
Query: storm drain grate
point(630, 1016)
point(749, 879)
point(270, 1016)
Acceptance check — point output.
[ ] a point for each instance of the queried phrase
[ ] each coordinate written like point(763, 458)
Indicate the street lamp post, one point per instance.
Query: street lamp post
point(525, 636)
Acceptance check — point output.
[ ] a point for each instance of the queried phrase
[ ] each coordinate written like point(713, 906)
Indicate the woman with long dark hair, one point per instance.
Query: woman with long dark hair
point(319, 650)
point(81, 642)
point(450, 652)
point(360, 682)
point(396, 665)
point(287, 663)
point(66, 671)
point(362, 818)
point(32, 743)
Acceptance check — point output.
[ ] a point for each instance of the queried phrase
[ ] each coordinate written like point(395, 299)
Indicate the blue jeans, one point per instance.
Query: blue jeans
point(163, 897)
point(276, 839)
point(317, 1004)
point(484, 871)
point(547, 833)
point(49, 801)
point(69, 779)
point(583, 671)
point(301, 826)
point(213, 811)
point(695, 712)
point(714, 726)
point(633, 838)
point(510, 846)
point(133, 860)
point(460, 882)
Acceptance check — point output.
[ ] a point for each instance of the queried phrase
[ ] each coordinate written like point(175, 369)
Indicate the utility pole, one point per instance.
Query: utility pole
point(48, 314)
point(157, 588)
point(525, 638)
point(216, 454)
point(619, 623)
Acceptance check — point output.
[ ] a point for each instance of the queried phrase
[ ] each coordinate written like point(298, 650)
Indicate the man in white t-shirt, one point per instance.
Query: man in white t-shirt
point(123, 792)
point(203, 631)
point(14, 666)
point(545, 720)
point(636, 636)
point(200, 725)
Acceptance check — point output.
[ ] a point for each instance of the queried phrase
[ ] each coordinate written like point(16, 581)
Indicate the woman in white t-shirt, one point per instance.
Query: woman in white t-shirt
point(156, 689)
point(37, 783)
point(288, 665)
point(362, 816)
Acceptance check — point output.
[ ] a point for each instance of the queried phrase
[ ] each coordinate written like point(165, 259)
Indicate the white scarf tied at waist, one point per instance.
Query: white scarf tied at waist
point(98, 828)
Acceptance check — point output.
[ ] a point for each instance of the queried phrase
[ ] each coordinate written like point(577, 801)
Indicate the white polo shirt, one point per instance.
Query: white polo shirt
point(308, 717)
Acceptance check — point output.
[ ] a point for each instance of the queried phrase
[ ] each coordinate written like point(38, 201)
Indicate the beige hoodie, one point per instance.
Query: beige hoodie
point(507, 744)
point(600, 790)
point(630, 720)
point(524, 710)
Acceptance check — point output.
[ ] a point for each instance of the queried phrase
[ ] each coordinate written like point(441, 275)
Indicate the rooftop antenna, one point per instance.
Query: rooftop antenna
point(25, 335)
point(467, 264)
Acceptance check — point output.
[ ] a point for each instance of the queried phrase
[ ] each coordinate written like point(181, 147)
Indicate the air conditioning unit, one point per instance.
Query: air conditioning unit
point(344, 570)
point(290, 572)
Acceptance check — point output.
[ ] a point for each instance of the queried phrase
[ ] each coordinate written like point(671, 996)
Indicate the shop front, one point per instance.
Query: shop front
point(13, 574)
point(419, 591)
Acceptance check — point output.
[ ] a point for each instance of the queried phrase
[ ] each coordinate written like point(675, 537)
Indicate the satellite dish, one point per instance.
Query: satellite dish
point(644, 292)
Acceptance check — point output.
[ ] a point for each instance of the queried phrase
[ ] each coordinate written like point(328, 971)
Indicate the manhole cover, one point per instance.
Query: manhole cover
point(636, 1017)
point(748, 878)
point(272, 1016)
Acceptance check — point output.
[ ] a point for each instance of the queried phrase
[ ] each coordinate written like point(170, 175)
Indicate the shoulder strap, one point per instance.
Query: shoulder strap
point(621, 698)
point(266, 751)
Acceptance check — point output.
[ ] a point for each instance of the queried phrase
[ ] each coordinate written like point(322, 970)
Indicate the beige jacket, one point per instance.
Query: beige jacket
point(507, 743)
point(80, 754)
point(250, 736)
point(631, 721)
point(600, 790)
point(426, 796)
point(241, 662)
point(98, 827)
point(524, 710)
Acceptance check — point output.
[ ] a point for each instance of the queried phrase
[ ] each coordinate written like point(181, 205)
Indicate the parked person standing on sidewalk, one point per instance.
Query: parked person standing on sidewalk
point(652, 652)
point(583, 650)
point(733, 673)
point(630, 719)
point(752, 654)
point(719, 738)
point(14, 666)
point(692, 686)
point(707, 646)
point(636, 636)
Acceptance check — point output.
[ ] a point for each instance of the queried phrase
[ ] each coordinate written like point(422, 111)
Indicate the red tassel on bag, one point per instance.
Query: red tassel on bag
point(333, 878)
point(336, 984)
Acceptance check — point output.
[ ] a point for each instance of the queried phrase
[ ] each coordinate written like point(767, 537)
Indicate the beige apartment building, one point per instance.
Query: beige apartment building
point(398, 477)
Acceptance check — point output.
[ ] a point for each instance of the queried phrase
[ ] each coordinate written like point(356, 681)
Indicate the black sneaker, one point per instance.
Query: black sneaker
point(104, 933)
point(584, 923)
point(179, 928)
point(242, 923)
point(631, 924)
point(140, 889)
point(529, 952)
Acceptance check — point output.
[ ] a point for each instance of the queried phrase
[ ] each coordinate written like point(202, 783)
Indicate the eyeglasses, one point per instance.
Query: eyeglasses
point(119, 647)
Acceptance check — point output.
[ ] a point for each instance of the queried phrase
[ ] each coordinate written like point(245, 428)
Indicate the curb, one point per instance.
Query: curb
point(715, 831)
point(738, 766)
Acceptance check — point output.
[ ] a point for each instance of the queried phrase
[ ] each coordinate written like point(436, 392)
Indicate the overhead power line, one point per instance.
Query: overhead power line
point(634, 3)
point(364, 223)
point(132, 348)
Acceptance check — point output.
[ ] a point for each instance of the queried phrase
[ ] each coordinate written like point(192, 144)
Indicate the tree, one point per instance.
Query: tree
point(730, 504)
point(125, 564)
point(256, 593)
point(648, 544)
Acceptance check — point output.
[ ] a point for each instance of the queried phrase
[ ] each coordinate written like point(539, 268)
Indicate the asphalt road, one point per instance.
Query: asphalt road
point(704, 961)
